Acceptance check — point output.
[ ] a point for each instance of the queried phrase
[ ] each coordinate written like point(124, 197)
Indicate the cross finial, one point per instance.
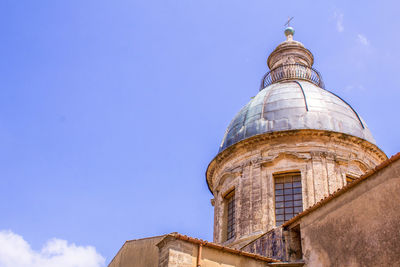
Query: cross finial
point(288, 21)
point(289, 31)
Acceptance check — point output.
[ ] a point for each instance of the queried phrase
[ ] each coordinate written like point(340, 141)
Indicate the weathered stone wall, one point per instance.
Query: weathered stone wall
point(179, 253)
point(323, 159)
point(359, 227)
point(216, 258)
point(176, 253)
point(138, 253)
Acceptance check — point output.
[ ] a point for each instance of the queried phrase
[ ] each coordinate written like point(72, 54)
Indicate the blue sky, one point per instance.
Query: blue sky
point(110, 111)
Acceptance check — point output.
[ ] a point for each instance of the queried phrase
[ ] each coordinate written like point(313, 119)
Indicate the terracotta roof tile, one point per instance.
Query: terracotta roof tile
point(220, 247)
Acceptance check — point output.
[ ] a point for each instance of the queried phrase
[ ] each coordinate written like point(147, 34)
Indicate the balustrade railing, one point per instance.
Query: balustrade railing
point(292, 71)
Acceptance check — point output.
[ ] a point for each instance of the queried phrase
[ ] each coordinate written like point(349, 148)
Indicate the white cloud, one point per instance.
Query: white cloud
point(339, 21)
point(16, 252)
point(363, 40)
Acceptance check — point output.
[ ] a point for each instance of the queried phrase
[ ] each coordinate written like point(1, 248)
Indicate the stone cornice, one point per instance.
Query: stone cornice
point(262, 138)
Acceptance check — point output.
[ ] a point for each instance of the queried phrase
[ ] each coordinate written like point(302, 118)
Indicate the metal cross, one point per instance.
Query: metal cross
point(288, 22)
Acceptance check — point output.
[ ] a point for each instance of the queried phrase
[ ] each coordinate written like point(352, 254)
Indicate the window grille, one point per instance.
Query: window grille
point(288, 197)
point(230, 202)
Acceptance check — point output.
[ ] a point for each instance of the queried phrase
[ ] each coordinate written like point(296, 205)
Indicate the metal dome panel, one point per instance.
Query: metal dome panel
point(294, 105)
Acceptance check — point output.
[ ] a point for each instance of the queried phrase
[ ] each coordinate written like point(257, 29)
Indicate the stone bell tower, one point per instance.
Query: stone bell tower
point(293, 144)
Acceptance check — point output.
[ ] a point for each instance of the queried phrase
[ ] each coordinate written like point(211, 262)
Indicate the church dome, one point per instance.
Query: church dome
point(292, 145)
point(292, 97)
point(294, 105)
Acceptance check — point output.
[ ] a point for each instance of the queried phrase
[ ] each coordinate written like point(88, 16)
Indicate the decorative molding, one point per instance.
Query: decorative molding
point(254, 142)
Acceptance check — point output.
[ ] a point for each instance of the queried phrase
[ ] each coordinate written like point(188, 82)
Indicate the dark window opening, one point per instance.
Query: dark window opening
point(288, 197)
point(293, 237)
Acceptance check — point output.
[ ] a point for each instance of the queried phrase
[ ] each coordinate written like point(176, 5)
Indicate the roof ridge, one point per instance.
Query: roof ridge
point(220, 247)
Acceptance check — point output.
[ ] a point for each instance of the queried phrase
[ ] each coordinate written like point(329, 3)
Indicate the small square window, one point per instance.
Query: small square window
point(298, 203)
point(279, 204)
point(297, 190)
point(288, 197)
point(278, 186)
point(288, 191)
point(288, 210)
point(298, 209)
point(288, 204)
point(297, 197)
point(279, 211)
point(288, 185)
point(288, 216)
